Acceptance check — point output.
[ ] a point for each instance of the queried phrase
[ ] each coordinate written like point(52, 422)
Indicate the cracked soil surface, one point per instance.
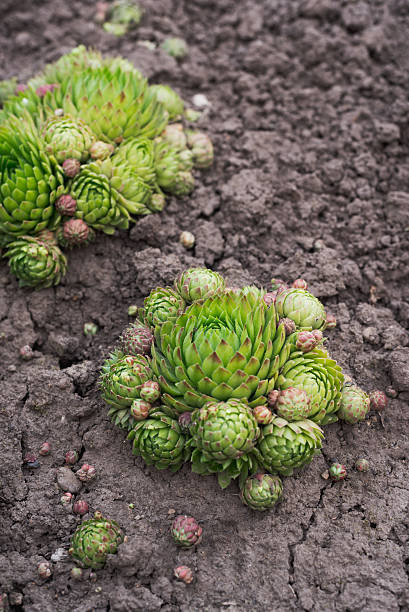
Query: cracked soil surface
point(309, 114)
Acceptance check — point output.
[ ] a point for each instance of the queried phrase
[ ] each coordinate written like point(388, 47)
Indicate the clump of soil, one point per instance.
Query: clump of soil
point(309, 116)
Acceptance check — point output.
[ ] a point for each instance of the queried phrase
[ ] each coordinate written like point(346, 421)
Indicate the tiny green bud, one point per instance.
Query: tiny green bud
point(132, 310)
point(90, 329)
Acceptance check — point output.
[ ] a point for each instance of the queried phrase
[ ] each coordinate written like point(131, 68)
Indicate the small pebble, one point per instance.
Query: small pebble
point(67, 481)
point(187, 240)
point(200, 101)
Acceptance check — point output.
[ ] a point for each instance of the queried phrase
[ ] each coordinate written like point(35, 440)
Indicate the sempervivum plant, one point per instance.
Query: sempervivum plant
point(94, 540)
point(74, 233)
point(67, 138)
point(36, 262)
point(121, 381)
point(261, 491)
point(89, 138)
point(198, 283)
point(354, 404)
point(320, 377)
point(227, 347)
point(223, 434)
point(162, 305)
point(235, 384)
point(136, 339)
point(186, 531)
point(159, 440)
point(293, 404)
point(30, 180)
point(302, 307)
point(285, 446)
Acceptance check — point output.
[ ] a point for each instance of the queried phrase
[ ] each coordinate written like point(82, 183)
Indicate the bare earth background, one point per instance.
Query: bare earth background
point(310, 119)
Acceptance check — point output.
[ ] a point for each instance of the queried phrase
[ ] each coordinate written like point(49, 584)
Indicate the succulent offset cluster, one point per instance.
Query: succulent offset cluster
point(235, 380)
point(87, 146)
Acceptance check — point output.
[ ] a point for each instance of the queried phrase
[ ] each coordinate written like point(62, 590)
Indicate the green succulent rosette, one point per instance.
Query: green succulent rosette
point(202, 148)
point(354, 404)
point(94, 540)
point(116, 104)
point(96, 204)
point(161, 305)
point(173, 165)
point(67, 137)
point(261, 491)
point(285, 446)
point(36, 262)
point(30, 180)
point(170, 100)
point(320, 377)
point(224, 430)
point(138, 154)
point(175, 47)
point(125, 13)
point(198, 283)
point(174, 135)
point(131, 193)
point(223, 434)
point(302, 307)
point(225, 347)
point(159, 441)
point(122, 377)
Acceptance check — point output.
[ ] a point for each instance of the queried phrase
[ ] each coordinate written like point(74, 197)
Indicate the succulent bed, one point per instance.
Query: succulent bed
point(87, 145)
point(235, 380)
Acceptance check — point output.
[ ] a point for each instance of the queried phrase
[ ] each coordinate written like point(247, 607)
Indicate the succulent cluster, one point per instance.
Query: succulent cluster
point(235, 380)
point(87, 146)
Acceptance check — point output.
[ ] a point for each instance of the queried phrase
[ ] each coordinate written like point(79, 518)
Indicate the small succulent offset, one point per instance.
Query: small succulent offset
point(94, 540)
point(236, 384)
point(337, 472)
point(186, 531)
point(88, 146)
point(261, 491)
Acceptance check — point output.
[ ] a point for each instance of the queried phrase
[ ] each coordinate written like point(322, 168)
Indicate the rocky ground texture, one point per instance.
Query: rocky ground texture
point(309, 114)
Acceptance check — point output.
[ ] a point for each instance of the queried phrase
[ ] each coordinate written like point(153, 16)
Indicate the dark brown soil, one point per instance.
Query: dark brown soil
point(310, 120)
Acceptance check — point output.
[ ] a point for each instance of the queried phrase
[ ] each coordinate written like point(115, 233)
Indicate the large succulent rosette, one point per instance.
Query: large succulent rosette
point(227, 347)
point(30, 180)
point(94, 540)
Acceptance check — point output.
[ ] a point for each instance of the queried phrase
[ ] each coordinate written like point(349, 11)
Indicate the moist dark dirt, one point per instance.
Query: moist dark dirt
point(309, 114)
